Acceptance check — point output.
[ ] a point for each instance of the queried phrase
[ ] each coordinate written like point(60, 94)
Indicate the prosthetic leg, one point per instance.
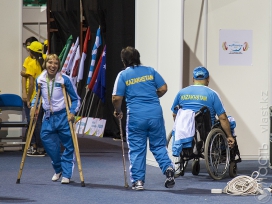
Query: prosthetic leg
point(31, 128)
point(74, 137)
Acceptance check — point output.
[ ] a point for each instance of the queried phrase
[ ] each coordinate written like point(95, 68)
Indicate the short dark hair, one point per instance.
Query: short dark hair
point(30, 40)
point(130, 56)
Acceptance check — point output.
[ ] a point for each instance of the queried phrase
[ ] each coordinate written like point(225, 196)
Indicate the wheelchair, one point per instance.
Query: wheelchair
point(209, 143)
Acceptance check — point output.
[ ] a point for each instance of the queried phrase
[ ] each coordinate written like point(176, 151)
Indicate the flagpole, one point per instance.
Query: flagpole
point(81, 25)
point(82, 108)
point(97, 108)
point(89, 110)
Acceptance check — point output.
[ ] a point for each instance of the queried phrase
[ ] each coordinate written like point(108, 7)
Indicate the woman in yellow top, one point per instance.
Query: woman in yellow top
point(33, 68)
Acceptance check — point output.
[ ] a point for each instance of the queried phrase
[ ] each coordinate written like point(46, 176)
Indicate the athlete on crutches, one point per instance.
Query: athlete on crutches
point(56, 127)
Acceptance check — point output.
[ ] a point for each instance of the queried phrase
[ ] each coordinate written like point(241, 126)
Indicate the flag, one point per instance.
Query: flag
point(65, 50)
point(91, 84)
point(94, 52)
point(100, 83)
point(75, 65)
point(63, 69)
point(69, 59)
point(84, 55)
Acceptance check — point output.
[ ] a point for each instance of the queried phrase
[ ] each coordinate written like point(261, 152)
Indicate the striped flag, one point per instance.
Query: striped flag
point(75, 65)
point(91, 84)
point(94, 52)
point(84, 55)
point(71, 60)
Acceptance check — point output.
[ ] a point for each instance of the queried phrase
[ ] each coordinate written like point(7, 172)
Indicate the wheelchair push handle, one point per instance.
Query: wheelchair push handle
point(201, 111)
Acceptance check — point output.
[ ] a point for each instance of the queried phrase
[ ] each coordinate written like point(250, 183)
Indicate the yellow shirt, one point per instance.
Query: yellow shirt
point(33, 69)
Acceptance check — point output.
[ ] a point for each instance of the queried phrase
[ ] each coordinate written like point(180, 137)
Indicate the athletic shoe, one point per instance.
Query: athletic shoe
point(36, 154)
point(170, 180)
point(138, 185)
point(56, 176)
point(30, 150)
point(65, 180)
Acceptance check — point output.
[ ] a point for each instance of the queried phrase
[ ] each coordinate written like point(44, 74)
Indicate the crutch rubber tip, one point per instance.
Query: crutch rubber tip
point(18, 181)
point(82, 184)
point(126, 186)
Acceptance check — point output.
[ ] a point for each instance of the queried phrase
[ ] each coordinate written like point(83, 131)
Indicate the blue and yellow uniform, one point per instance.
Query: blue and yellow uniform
point(195, 97)
point(144, 118)
point(55, 127)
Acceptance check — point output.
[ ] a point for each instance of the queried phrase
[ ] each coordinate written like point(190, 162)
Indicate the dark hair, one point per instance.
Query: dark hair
point(130, 56)
point(30, 40)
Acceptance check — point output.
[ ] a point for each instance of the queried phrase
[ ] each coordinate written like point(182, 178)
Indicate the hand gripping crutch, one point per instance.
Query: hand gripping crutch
point(123, 152)
point(74, 137)
point(30, 130)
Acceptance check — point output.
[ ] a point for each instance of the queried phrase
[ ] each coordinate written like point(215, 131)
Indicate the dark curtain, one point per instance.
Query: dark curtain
point(117, 24)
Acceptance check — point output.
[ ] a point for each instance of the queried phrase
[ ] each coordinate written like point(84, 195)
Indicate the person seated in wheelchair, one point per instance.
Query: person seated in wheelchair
point(191, 99)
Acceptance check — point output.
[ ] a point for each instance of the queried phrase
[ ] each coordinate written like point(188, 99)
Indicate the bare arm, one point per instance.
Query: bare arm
point(30, 90)
point(162, 90)
point(226, 127)
point(117, 102)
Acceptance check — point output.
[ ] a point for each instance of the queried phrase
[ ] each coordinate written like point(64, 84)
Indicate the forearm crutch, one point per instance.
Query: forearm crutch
point(74, 137)
point(123, 152)
point(30, 130)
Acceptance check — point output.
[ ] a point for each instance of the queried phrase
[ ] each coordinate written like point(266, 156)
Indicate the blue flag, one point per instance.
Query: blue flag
point(100, 84)
point(94, 52)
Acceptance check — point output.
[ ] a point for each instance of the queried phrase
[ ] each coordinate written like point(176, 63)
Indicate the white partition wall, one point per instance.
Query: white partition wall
point(245, 90)
point(11, 46)
point(159, 41)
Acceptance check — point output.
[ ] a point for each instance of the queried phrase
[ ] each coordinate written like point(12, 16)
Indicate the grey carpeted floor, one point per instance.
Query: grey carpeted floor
point(104, 180)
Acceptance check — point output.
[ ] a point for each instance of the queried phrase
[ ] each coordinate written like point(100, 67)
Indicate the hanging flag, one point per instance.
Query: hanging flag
point(68, 65)
point(63, 69)
point(91, 84)
point(75, 65)
point(94, 52)
point(84, 55)
point(100, 83)
point(65, 50)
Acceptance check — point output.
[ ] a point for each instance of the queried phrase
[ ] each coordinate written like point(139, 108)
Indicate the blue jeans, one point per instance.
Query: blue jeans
point(36, 139)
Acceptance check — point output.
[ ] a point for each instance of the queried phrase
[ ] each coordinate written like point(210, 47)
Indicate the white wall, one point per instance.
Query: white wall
point(12, 54)
point(34, 24)
point(243, 89)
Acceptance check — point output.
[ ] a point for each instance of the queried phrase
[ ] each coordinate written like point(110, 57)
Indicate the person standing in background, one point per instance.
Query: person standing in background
point(32, 69)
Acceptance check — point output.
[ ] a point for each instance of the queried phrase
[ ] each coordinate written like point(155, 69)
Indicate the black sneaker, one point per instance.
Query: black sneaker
point(36, 154)
point(138, 185)
point(170, 180)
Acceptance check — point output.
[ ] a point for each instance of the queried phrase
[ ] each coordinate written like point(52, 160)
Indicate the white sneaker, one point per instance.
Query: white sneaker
point(56, 176)
point(65, 180)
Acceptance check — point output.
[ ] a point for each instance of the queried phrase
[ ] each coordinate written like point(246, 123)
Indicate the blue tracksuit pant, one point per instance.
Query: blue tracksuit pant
point(56, 131)
point(138, 130)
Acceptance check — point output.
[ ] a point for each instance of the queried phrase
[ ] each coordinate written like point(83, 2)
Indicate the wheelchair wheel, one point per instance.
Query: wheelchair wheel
point(180, 165)
point(233, 169)
point(196, 167)
point(217, 154)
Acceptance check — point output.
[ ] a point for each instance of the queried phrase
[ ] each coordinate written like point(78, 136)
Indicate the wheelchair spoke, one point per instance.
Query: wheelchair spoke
point(217, 156)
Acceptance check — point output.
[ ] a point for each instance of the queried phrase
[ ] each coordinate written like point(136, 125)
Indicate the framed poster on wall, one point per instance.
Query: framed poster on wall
point(235, 47)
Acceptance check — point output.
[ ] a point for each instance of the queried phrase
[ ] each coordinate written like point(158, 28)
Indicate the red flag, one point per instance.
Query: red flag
point(84, 55)
point(91, 84)
point(75, 64)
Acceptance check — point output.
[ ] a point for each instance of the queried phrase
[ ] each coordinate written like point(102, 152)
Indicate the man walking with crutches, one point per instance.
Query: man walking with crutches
point(56, 129)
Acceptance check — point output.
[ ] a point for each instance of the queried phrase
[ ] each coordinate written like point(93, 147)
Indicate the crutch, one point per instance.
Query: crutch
point(123, 151)
point(74, 137)
point(30, 131)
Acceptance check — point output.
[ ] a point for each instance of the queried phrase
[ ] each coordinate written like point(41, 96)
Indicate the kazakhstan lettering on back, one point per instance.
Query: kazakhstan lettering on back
point(139, 79)
point(193, 97)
